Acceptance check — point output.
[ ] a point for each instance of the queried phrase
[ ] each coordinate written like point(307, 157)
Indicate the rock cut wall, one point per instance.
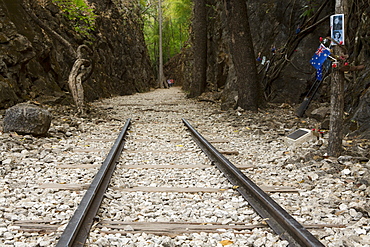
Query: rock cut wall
point(35, 66)
point(273, 24)
point(280, 24)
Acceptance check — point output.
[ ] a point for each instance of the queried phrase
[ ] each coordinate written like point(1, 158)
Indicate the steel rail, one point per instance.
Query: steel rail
point(78, 228)
point(273, 214)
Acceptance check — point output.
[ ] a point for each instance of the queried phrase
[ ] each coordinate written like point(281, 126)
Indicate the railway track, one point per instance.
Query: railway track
point(78, 229)
point(166, 191)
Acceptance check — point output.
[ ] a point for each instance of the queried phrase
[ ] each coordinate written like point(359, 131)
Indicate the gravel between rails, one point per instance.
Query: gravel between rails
point(331, 191)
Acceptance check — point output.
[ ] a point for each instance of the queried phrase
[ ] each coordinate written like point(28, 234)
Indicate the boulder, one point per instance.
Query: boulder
point(27, 118)
point(320, 113)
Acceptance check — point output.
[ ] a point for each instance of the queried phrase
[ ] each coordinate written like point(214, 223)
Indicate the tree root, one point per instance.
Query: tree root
point(80, 72)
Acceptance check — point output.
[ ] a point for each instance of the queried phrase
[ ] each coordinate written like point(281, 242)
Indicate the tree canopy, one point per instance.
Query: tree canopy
point(176, 22)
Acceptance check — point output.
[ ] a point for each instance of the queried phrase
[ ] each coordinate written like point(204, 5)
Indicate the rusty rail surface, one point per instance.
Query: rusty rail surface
point(274, 215)
point(78, 228)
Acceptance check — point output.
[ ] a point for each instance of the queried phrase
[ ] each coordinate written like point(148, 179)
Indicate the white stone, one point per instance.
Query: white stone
point(313, 176)
point(8, 235)
point(346, 171)
point(45, 243)
point(360, 231)
point(7, 162)
point(259, 242)
point(352, 212)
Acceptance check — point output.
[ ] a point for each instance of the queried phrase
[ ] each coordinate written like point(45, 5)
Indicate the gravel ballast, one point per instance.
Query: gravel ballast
point(35, 172)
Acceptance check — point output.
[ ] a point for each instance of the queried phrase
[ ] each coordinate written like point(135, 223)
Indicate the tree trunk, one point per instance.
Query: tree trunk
point(199, 83)
point(242, 52)
point(336, 113)
point(161, 80)
point(337, 98)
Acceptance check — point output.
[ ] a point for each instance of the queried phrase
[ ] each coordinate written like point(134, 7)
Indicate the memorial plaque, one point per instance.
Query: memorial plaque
point(297, 134)
point(298, 137)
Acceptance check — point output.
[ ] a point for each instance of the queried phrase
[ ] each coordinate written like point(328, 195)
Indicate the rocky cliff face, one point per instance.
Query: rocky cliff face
point(35, 66)
point(274, 24)
point(293, 31)
point(281, 25)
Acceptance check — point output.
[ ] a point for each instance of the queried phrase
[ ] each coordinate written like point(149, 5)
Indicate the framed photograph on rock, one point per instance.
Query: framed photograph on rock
point(337, 28)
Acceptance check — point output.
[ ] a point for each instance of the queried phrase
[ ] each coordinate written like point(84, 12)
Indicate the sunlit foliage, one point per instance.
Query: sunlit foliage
point(176, 22)
point(79, 13)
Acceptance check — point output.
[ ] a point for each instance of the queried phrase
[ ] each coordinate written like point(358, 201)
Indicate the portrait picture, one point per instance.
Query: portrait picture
point(338, 36)
point(337, 28)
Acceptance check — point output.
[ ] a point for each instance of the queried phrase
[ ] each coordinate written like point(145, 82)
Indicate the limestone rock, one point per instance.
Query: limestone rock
point(362, 115)
point(320, 113)
point(26, 118)
point(33, 65)
point(7, 95)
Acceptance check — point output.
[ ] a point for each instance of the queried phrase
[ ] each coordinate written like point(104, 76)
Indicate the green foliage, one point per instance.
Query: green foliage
point(175, 29)
point(80, 14)
point(307, 11)
point(310, 8)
